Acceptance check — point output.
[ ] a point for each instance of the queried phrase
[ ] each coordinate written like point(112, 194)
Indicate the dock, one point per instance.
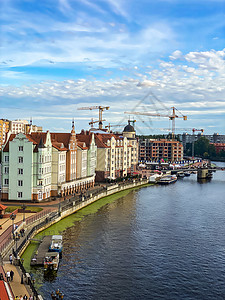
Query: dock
point(38, 259)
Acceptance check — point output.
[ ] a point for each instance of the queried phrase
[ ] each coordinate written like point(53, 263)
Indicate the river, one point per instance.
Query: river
point(158, 242)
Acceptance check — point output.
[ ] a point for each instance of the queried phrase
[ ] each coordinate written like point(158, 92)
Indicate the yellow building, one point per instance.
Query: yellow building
point(4, 128)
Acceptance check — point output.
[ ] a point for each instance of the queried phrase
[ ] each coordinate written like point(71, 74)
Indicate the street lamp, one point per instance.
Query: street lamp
point(23, 206)
point(12, 217)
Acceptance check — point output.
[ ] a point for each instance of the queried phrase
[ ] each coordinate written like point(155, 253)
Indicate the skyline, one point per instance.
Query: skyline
point(57, 56)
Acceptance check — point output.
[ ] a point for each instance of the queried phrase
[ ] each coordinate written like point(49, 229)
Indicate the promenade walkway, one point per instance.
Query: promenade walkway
point(17, 288)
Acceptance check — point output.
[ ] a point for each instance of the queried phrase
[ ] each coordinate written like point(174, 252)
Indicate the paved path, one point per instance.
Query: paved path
point(17, 288)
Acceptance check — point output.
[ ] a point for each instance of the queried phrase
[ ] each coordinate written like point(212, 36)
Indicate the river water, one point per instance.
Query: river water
point(159, 242)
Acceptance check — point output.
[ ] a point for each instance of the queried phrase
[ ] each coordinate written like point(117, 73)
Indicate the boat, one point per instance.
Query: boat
point(154, 178)
point(51, 261)
point(56, 244)
point(180, 174)
point(187, 173)
point(167, 179)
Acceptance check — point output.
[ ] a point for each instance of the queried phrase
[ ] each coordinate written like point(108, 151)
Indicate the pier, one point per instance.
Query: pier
point(38, 259)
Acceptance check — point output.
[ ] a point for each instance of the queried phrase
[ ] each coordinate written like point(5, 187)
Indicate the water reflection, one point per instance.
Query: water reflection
point(161, 242)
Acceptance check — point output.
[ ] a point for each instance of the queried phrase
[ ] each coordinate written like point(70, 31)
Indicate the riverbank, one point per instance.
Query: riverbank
point(67, 210)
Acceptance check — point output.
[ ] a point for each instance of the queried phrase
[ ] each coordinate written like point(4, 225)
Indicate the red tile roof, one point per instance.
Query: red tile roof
point(86, 138)
point(2, 207)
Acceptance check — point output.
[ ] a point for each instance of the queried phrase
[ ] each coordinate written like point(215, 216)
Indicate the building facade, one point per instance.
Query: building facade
point(41, 165)
point(154, 150)
point(117, 154)
point(4, 128)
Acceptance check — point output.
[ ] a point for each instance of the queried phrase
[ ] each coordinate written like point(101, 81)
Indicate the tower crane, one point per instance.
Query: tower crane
point(93, 122)
point(171, 117)
point(100, 108)
point(193, 140)
point(119, 125)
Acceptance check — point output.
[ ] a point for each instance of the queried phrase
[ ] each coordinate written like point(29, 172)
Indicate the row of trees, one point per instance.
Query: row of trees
point(204, 149)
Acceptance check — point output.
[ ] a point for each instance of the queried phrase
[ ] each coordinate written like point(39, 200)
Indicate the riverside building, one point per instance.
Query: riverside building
point(41, 165)
point(117, 154)
point(155, 150)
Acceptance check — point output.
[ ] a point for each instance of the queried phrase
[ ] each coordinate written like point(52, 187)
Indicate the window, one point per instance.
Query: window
point(6, 181)
point(20, 159)
point(20, 171)
point(7, 158)
point(19, 194)
point(6, 170)
point(20, 182)
point(20, 148)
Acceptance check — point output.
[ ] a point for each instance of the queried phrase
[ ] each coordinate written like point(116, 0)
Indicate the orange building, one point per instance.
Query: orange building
point(160, 149)
point(219, 147)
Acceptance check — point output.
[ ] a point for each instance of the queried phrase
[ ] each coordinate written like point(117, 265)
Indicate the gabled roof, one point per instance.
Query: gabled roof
point(102, 139)
point(82, 145)
point(86, 138)
point(2, 207)
point(60, 140)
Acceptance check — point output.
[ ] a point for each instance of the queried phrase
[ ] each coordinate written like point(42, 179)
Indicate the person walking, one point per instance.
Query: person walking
point(10, 258)
point(11, 275)
point(31, 297)
point(8, 276)
point(25, 297)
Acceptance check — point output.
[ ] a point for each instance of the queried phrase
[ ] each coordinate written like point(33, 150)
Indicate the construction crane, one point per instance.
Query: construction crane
point(100, 108)
point(172, 117)
point(119, 125)
point(93, 122)
point(193, 140)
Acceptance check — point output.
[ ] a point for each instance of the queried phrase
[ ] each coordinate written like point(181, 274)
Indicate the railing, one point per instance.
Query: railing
point(26, 275)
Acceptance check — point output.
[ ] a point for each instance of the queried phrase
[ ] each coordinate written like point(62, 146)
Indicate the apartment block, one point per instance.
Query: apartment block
point(40, 165)
point(160, 149)
point(117, 154)
point(4, 128)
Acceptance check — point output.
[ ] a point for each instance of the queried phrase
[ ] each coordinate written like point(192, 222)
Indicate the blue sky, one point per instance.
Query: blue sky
point(59, 55)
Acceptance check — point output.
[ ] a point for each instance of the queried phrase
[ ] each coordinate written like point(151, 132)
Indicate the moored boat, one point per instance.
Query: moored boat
point(187, 173)
point(56, 244)
point(51, 261)
point(167, 179)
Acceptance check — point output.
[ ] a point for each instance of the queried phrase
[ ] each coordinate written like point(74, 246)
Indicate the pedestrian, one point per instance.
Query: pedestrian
point(10, 258)
point(17, 298)
point(11, 275)
point(31, 297)
point(8, 276)
point(25, 297)
point(21, 297)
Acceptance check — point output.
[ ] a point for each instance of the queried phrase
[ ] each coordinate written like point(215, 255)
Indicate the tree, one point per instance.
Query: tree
point(201, 146)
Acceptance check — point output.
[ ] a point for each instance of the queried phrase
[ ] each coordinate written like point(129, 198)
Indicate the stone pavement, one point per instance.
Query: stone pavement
point(17, 288)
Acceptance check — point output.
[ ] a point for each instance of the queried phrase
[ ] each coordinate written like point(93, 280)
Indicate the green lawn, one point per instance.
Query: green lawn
point(10, 209)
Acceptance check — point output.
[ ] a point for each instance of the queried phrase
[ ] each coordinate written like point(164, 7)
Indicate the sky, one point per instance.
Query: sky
point(134, 56)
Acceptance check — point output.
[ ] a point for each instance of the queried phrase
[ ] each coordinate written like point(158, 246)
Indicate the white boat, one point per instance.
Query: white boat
point(51, 261)
point(56, 244)
point(180, 174)
point(167, 179)
point(154, 178)
point(187, 173)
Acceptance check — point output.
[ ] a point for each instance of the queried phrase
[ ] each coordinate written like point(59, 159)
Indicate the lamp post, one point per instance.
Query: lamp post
point(59, 209)
point(12, 217)
point(23, 208)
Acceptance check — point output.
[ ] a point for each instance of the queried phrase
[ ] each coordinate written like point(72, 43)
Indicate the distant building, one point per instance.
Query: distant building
point(4, 128)
point(15, 127)
point(189, 138)
point(154, 150)
point(219, 147)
